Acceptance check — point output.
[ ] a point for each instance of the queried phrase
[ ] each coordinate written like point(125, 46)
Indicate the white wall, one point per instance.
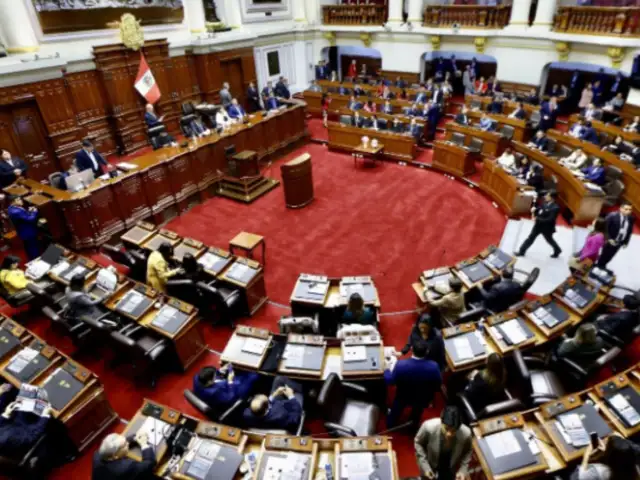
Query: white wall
point(295, 63)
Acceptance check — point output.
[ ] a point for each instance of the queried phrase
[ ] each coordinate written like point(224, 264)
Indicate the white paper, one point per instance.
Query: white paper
point(293, 352)
point(127, 166)
point(208, 260)
point(155, 430)
point(318, 288)
point(514, 331)
point(60, 267)
point(256, 346)
point(21, 359)
point(533, 442)
point(107, 280)
point(624, 408)
point(37, 269)
point(133, 300)
point(165, 314)
point(355, 353)
point(356, 465)
point(502, 444)
point(574, 428)
point(463, 348)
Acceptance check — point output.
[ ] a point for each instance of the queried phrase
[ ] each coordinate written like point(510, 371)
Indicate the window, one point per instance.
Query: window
point(273, 62)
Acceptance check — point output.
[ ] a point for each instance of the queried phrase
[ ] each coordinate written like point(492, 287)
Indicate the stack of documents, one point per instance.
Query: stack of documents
point(513, 330)
point(37, 269)
point(256, 346)
point(502, 444)
point(572, 429)
point(131, 301)
point(623, 408)
point(356, 466)
point(164, 316)
point(463, 348)
point(208, 260)
point(354, 353)
point(543, 316)
point(292, 466)
point(60, 267)
point(156, 430)
point(203, 459)
point(575, 298)
point(21, 359)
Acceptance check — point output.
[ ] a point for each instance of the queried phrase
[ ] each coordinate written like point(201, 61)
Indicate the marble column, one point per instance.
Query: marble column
point(233, 14)
point(194, 11)
point(395, 11)
point(519, 19)
point(16, 27)
point(312, 11)
point(299, 13)
point(544, 15)
point(416, 11)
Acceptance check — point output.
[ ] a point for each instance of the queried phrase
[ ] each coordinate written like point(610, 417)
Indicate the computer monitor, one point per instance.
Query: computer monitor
point(80, 180)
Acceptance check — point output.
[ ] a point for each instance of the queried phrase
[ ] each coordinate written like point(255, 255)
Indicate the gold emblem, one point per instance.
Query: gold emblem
point(131, 32)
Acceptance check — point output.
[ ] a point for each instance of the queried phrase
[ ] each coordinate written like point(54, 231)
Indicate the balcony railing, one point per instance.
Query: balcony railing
point(598, 20)
point(353, 14)
point(467, 16)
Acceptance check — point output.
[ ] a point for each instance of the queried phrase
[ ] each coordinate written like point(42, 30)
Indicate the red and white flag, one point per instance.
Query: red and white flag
point(146, 83)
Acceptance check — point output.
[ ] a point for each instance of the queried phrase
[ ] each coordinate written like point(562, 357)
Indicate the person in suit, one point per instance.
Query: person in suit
point(619, 230)
point(357, 90)
point(81, 304)
point(12, 278)
point(577, 129)
point(370, 107)
point(501, 295)
point(533, 98)
point(415, 130)
point(357, 313)
point(486, 123)
point(152, 120)
point(254, 98)
point(438, 97)
point(357, 120)
point(400, 83)
point(25, 220)
point(486, 386)
point(540, 141)
point(634, 126)
point(425, 333)
point(443, 446)
point(574, 87)
point(589, 134)
point(158, 271)
point(11, 168)
point(225, 94)
point(495, 106)
point(405, 375)
point(524, 167)
point(281, 410)
point(271, 103)
point(598, 93)
point(617, 460)
point(111, 461)
point(584, 346)
point(88, 159)
point(267, 92)
point(548, 114)
point(314, 87)
point(354, 104)
point(616, 86)
point(374, 123)
point(387, 108)
point(467, 81)
point(414, 111)
point(595, 173)
point(397, 126)
point(432, 115)
point(282, 89)
point(221, 388)
point(545, 217)
point(322, 71)
point(621, 323)
point(535, 177)
point(615, 104)
point(236, 111)
point(462, 118)
point(591, 112)
point(575, 161)
point(451, 302)
point(192, 270)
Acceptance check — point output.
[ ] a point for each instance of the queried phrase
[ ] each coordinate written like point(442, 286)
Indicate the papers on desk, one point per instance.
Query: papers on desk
point(571, 427)
point(503, 443)
point(593, 187)
point(463, 348)
point(37, 269)
point(156, 430)
point(21, 359)
point(77, 270)
point(133, 299)
point(346, 290)
point(355, 353)
point(203, 458)
point(255, 346)
point(126, 166)
point(164, 316)
point(107, 280)
point(356, 466)
point(292, 466)
point(532, 441)
point(575, 298)
point(317, 288)
point(542, 316)
point(623, 408)
point(513, 330)
point(60, 267)
point(293, 353)
point(208, 260)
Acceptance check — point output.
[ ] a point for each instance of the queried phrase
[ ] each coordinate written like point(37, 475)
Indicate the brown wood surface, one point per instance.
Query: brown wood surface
point(453, 159)
point(396, 146)
point(297, 180)
point(505, 189)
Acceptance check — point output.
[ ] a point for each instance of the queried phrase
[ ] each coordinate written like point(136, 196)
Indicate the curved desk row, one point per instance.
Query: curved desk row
point(159, 184)
point(508, 106)
point(397, 146)
point(493, 143)
point(522, 132)
point(76, 394)
point(611, 130)
point(217, 451)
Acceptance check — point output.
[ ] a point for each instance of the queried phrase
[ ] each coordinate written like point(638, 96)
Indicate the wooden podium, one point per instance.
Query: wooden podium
point(244, 181)
point(453, 159)
point(297, 180)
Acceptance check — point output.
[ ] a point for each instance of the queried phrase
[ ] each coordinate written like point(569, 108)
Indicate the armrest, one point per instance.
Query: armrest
point(232, 410)
point(29, 460)
point(613, 340)
point(471, 315)
point(499, 408)
point(51, 314)
point(534, 362)
point(521, 366)
point(233, 295)
point(573, 366)
point(198, 404)
point(179, 282)
point(78, 327)
point(134, 329)
point(518, 306)
point(468, 409)
point(356, 388)
point(337, 430)
point(124, 340)
point(301, 425)
point(154, 346)
point(607, 357)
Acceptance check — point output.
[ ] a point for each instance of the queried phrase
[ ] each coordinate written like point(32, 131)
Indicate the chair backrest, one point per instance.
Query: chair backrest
point(382, 123)
point(552, 145)
point(476, 104)
point(535, 117)
point(627, 148)
point(188, 108)
point(612, 173)
point(55, 179)
point(507, 131)
point(564, 151)
point(476, 143)
point(457, 138)
point(345, 119)
point(501, 408)
point(531, 279)
point(613, 190)
point(332, 398)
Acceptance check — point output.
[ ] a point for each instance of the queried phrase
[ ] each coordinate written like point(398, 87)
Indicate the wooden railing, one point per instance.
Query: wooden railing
point(353, 14)
point(598, 20)
point(467, 16)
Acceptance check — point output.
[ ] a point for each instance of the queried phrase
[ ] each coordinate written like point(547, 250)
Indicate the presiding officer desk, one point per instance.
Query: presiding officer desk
point(175, 321)
point(76, 395)
point(397, 146)
point(158, 184)
point(188, 448)
point(238, 272)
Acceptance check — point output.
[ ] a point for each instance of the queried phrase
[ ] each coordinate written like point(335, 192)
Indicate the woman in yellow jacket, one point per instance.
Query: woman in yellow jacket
point(158, 273)
point(11, 277)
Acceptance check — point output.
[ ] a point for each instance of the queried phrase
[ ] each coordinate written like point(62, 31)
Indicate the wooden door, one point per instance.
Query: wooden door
point(232, 73)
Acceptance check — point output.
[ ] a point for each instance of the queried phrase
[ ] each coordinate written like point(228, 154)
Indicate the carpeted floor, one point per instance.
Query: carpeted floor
point(390, 222)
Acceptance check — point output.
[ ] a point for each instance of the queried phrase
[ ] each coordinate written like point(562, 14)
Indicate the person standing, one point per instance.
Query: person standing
point(254, 98)
point(467, 81)
point(322, 71)
point(443, 446)
point(353, 70)
point(619, 229)
point(25, 220)
point(545, 218)
point(225, 95)
point(88, 159)
point(158, 272)
point(592, 245)
point(11, 168)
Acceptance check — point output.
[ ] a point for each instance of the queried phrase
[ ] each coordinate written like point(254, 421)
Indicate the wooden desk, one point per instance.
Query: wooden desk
point(453, 159)
point(493, 143)
point(505, 189)
point(521, 131)
point(611, 130)
point(508, 106)
point(297, 180)
point(396, 146)
point(367, 152)
point(254, 290)
point(585, 204)
point(248, 242)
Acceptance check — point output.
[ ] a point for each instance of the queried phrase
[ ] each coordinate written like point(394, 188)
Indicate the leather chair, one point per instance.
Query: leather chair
point(534, 119)
point(562, 152)
point(457, 138)
point(552, 146)
point(612, 173)
point(156, 136)
point(138, 271)
point(31, 465)
point(382, 124)
point(227, 417)
point(344, 415)
point(138, 348)
point(475, 105)
point(579, 372)
point(539, 384)
point(613, 191)
point(55, 179)
point(502, 407)
point(475, 146)
point(185, 290)
point(221, 303)
point(118, 255)
point(80, 333)
point(185, 125)
point(507, 131)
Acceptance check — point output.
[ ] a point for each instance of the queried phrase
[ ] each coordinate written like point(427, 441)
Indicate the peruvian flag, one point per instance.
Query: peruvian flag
point(146, 83)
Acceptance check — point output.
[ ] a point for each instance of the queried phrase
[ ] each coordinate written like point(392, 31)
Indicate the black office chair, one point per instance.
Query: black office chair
point(185, 290)
point(475, 146)
point(227, 417)
point(119, 255)
point(139, 349)
point(457, 139)
point(613, 191)
point(32, 464)
point(508, 405)
point(534, 119)
point(476, 105)
point(138, 270)
point(578, 371)
point(344, 415)
point(186, 127)
point(562, 152)
point(507, 131)
point(219, 303)
point(81, 334)
point(55, 179)
point(157, 136)
point(539, 384)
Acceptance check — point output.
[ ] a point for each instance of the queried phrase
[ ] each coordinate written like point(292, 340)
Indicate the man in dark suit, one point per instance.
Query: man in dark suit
point(405, 375)
point(519, 112)
point(415, 130)
point(111, 460)
point(619, 230)
point(282, 89)
point(548, 114)
point(503, 294)
point(544, 217)
point(421, 96)
point(11, 168)
point(575, 87)
point(322, 71)
point(358, 121)
point(397, 126)
point(221, 388)
point(267, 92)
point(533, 98)
point(495, 106)
point(540, 141)
point(432, 117)
point(617, 86)
point(400, 83)
point(88, 159)
point(282, 410)
point(438, 97)
point(621, 323)
point(462, 118)
point(354, 104)
point(236, 111)
point(254, 98)
point(357, 91)
point(25, 220)
point(589, 134)
point(152, 121)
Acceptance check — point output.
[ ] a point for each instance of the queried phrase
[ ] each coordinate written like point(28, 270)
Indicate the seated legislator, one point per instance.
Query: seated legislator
point(617, 146)
point(589, 134)
point(370, 107)
point(386, 93)
point(374, 123)
point(223, 120)
point(486, 386)
point(236, 111)
point(88, 159)
point(281, 410)
point(153, 121)
point(314, 87)
point(533, 97)
point(539, 142)
point(617, 460)
point(634, 126)
point(519, 112)
point(415, 130)
point(397, 126)
point(495, 106)
point(282, 89)
point(357, 313)
point(421, 96)
point(584, 346)
point(11, 168)
point(591, 112)
point(387, 108)
point(111, 460)
point(354, 104)
point(425, 334)
point(507, 160)
point(486, 123)
point(575, 161)
point(410, 375)
point(620, 324)
point(451, 304)
point(501, 295)
point(577, 129)
point(266, 92)
point(12, 277)
point(462, 118)
point(615, 104)
point(358, 121)
point(443, 446)
point(158, 272)
point(592, 246)
point(524, 168)
point(221, 388)
point(192, 270)
point(342, 90)
point(357, 90)
point(271, 103)
point(481, 86)
point(595, 173)
point(535, 177)
point(80, 303)
point(414, 111)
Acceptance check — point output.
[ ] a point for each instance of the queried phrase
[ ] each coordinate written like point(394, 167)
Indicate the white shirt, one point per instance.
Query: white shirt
point(624, 225)
point(576, 160)
point(507, 160)
point(223, 120)
point(10, 162)
point(93, 159)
